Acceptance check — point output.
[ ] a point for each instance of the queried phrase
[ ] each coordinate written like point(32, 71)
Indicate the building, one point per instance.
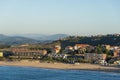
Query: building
point(77, 46)
point(27, 53)
point(69, 48)
point(116, 53)
point(106, 47)
point(56, 49)
point(5, 53)
point(1, 54)
point(94, 57)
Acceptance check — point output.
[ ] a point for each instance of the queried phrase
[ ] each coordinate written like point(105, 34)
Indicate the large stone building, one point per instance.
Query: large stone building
point(27, 53)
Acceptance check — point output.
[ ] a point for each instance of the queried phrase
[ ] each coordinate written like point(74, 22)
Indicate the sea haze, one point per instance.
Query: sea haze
point(15, 39)
point(28, 73)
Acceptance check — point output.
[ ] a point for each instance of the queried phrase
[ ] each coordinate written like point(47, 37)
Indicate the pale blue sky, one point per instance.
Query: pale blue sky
point(81, 17)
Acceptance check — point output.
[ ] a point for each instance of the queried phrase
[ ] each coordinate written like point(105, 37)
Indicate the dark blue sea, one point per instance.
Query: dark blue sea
point(28, 73)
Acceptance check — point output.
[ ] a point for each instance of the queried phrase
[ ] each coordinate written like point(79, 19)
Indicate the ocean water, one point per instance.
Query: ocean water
point(28, 73)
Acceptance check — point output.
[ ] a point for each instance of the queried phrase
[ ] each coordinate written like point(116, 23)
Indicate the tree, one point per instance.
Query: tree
point(99, 49)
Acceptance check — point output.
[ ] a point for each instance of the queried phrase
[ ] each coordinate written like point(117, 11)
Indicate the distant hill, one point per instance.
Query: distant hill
point(55, 37)
point(3, 36)
point(32, 36)
point(29, 38)
point(16, 40)
point(43, 37)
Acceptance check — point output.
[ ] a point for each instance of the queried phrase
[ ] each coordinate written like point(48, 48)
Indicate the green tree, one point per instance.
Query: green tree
point(99, 49)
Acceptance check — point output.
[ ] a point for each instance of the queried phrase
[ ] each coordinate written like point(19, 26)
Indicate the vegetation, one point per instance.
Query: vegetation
point(113, 40)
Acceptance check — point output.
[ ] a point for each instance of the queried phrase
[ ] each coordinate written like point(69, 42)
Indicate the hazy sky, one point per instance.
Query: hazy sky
point(83, 17)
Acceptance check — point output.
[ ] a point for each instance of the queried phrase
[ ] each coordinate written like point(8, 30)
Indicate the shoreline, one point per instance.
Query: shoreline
point(81, 66)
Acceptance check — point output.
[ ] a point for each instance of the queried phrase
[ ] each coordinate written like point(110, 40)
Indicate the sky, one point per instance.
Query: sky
point(75, 17)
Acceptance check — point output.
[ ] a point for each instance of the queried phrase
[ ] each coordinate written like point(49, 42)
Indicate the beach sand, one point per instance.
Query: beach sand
point(81, 66)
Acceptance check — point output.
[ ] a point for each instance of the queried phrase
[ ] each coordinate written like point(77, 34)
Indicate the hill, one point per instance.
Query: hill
point(3, 36)
point(111, 39)
point(28, 38)
point(43, 37)
point(8, 40)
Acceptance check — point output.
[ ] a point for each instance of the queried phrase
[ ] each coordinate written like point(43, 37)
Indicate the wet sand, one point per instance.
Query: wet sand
point(81, 66)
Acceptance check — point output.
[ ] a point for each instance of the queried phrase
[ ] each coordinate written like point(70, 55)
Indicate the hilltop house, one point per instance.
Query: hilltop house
point(77, 46)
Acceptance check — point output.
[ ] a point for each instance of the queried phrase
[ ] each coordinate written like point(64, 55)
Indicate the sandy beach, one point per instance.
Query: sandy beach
point(81, 66)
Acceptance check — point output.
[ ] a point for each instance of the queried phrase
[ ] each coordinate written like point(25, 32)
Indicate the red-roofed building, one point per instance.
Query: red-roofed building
point(77, 46)
point(56, 49)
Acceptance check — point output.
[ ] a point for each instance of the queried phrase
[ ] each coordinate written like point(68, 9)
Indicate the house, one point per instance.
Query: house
point(56, 49)
point(44, 52)
point(69, 48)
point(106, 47)
point(116, 53)
point(1, 54)
point(77, 46)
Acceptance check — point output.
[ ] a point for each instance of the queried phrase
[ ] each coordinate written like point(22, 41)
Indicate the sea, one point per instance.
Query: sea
point(30, 73)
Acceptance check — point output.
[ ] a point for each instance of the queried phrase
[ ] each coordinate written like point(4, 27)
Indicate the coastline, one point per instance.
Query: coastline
point(81, 66)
